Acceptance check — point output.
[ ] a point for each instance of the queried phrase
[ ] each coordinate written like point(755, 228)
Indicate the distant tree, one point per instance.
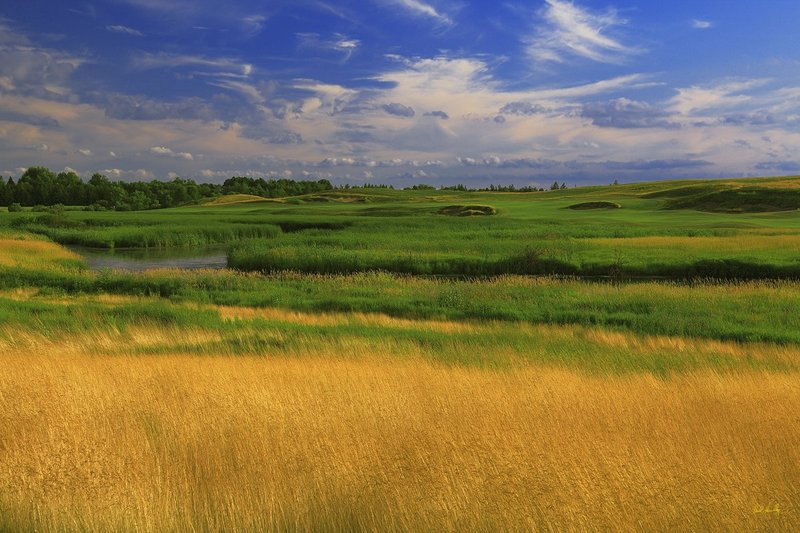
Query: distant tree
point(11, 187)
point(68, 189)
point(615, 182)
point(555, 186)
point(563, 185)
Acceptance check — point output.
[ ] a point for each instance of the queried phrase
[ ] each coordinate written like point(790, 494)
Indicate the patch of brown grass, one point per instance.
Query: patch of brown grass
point(247, 443)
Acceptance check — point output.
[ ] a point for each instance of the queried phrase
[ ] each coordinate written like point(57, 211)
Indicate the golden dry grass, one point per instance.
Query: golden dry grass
point(230, 199)
point(183, 442)
point(32, 253)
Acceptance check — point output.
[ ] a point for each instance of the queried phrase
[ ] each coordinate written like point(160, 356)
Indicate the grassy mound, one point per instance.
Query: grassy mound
point(595, 205)
point(235, 199)
point(738, 200)
point(467, 210)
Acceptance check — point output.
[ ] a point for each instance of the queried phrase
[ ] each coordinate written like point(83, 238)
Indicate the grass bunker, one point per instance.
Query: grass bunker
point(595, 205)
point(467, 210)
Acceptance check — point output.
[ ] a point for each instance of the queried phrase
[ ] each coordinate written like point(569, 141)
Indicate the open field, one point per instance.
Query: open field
point(329, 386)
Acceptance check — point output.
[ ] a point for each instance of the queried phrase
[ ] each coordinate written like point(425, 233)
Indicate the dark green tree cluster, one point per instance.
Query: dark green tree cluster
point(492, 188)
point(41, 186)
point(273, 188)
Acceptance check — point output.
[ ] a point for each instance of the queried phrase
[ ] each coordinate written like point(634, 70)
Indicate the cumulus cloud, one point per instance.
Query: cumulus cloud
point(439, 114)
point(86, 152)
point(33, 120)
point(695, 99)
point(624, 113)
point(286, 138)
point(134, 107)
point(510, 163)
point(167, 152)
point(700, 24)
point(125, 30)
point(760, 117)
point(28, 69)
point(780, 166)
point(657, 164)
point(570, 31)
point(399, 110)
point(522, 109)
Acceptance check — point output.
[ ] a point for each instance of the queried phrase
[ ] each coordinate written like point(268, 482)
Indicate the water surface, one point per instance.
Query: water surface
point(140, 259)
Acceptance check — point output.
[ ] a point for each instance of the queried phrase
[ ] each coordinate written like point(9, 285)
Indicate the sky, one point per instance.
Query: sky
point(401, 91)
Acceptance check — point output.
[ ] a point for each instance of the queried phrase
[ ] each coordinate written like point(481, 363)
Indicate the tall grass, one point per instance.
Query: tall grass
point(194, 443)
point(117, 325)
point(743, 311)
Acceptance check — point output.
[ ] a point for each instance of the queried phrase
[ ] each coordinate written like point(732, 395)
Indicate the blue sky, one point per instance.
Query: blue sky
point(401, 91)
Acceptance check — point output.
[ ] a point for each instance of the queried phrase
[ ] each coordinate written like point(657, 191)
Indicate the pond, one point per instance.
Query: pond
point(140, 259)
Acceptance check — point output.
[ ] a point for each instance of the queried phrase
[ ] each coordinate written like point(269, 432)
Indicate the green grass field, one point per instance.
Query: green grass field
point(427, 232)
point(410, 360)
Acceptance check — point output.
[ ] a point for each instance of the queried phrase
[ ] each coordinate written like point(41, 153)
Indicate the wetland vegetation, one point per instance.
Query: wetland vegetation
point(421, 359)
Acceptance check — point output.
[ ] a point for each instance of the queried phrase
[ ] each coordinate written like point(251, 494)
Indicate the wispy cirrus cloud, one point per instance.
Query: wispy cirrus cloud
point(339, 43)
point(253, 24)
point(117, 28)
point(700, 24)
point(163, 59)
point(569, 31)
point(420, 8)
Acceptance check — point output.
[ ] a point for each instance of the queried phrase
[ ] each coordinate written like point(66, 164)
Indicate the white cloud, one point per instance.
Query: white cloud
point(696, 99)
point(419, 8)
point(86, 152)
point(164, 59)
point(249, 91)
point(700, 24)
point(124, 29)
point(164, 151)
point(253, 24)
point(339, 43)
point(568, 31)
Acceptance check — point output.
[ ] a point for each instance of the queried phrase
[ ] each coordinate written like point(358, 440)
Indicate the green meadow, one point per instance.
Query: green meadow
point(664, 302)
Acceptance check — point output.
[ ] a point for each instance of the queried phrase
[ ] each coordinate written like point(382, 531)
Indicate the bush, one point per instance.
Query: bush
point(14, 208)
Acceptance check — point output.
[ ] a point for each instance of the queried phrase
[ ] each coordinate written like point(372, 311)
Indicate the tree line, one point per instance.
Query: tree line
point(41, 186)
